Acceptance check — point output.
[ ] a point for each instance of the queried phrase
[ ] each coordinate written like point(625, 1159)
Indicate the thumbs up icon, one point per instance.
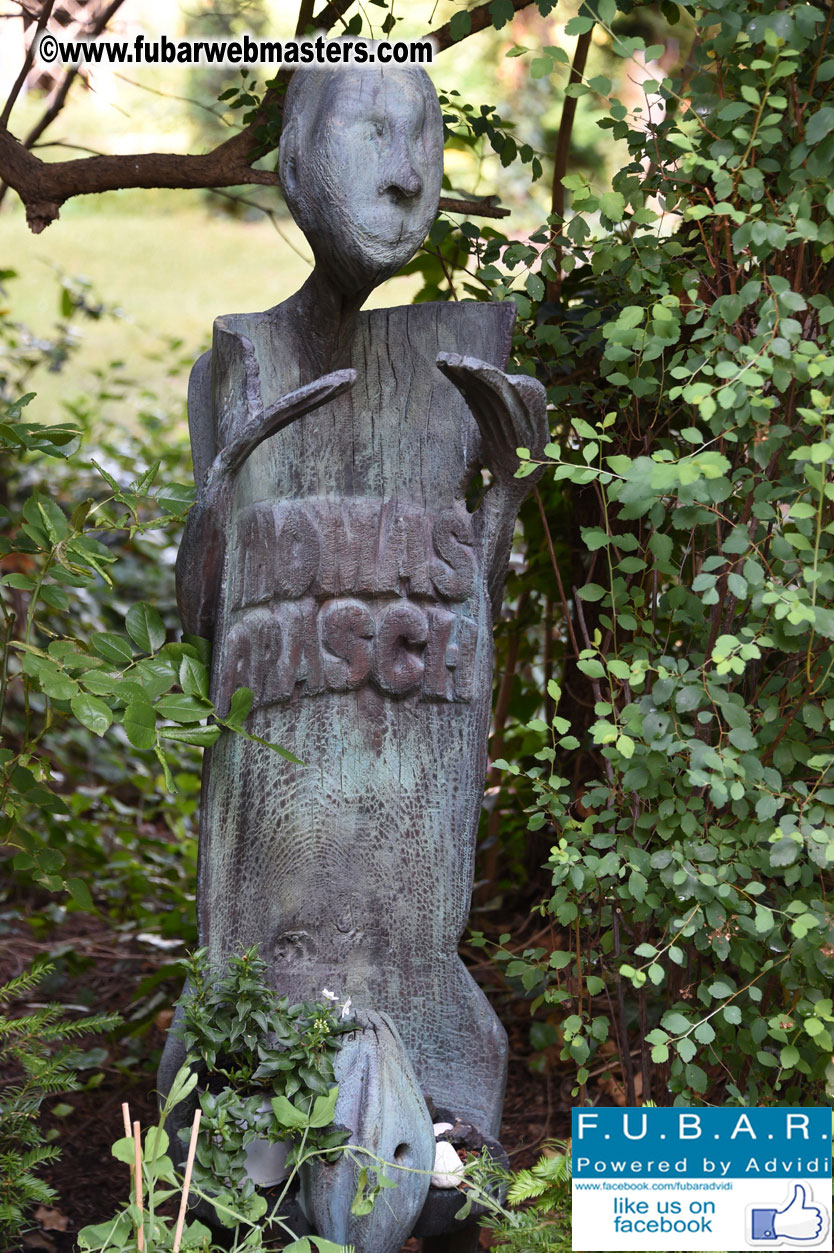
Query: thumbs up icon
point(798, 1220)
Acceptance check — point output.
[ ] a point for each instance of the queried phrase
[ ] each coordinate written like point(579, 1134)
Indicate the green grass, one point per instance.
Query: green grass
point(168, 263)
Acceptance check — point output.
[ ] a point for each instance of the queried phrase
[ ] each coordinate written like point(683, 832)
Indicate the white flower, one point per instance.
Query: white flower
point(328, 995)
point(345, 1008)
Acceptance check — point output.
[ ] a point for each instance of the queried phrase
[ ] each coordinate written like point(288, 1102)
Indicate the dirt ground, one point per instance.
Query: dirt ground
point(111, 971)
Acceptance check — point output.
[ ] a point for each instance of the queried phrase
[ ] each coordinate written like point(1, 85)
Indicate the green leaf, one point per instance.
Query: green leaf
point(124, 1150)
point(80, 893)
point(675, 1023)
point(696, 1077)
point(91, 712)
point(287, 1114)
point(784, 851)
point(113, 1234)
point(140, 724)
point(501, 12)
point(362, 1204)
point(324, 1108)
point(55, 683)
point(181, 708)
point(764, 920)
point(193, 677)
point(460, 24)
point(820, 125)
point(593, 537)
point(112, 647)
point(201, 737)
point(145, 627)
point(612, 204)
point(789, 1056)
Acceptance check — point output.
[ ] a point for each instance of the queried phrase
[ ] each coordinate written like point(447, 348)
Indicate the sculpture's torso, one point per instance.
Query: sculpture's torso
point(353, 604)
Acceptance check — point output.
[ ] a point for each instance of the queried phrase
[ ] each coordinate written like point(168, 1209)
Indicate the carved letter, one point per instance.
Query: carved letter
point(252, 572)
point(346, 629)
point(396, 669)
point(348, 553)
point(251, 651)
point(295, 559)
point(403, 543)
point(454, 575)
point(438, 680)
point(462, 658)
point(300, 659)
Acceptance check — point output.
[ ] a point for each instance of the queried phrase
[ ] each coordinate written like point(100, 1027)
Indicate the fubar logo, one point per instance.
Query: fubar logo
point(722, 1179)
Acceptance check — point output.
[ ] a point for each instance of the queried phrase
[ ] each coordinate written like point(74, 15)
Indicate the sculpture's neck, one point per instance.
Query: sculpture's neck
point(328, 316)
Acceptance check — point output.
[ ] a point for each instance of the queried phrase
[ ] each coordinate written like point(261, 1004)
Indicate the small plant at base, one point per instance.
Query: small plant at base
point(31, 1071)
point(139, 1228)
point(267, 1070)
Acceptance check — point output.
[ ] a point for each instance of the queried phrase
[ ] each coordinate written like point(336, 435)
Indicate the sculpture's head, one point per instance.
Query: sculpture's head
point(361, 162)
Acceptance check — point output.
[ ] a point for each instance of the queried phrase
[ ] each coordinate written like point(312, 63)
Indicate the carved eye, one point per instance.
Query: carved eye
point(379, 128)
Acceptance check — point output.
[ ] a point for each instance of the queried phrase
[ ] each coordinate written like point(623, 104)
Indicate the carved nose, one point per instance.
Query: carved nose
point(402, 183)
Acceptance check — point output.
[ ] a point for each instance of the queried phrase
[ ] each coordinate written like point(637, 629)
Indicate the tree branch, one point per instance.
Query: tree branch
point(560, 158)
point(57, 104)
point(305, 17)
point(49, 115)
point(44, 187)
point(331, 14)
point(27, 63)
point(480, 19)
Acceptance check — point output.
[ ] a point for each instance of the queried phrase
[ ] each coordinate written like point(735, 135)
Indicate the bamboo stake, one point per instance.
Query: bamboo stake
point(186, 1183)
point(126, 1119)
point(137, 1174)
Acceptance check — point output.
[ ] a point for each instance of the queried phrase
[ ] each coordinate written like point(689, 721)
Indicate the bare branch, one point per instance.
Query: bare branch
point(60, 98)
point(475, 208)
point(560, 158)
point(27, 63)
point(57, 104)
point(305, 17)
point(481, 18)
point(331, 14)
point(44, 187)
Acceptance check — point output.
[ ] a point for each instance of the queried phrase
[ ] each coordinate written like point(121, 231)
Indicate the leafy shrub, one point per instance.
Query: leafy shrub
point(683, 324)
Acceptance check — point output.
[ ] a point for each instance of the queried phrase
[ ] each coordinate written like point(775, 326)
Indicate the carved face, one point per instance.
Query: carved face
point(361, 165)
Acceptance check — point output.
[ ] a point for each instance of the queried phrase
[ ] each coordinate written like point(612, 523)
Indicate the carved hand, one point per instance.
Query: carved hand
point(200, 559)
point(511, 412)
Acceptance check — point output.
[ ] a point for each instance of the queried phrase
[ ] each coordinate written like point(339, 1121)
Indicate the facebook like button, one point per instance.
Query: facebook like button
point(701, 1179)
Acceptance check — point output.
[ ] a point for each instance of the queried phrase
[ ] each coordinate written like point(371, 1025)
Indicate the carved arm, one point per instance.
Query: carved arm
point(202, 551)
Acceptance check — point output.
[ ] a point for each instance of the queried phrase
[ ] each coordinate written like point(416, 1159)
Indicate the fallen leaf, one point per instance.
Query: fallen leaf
point(163, 1019)
point(51, 1219)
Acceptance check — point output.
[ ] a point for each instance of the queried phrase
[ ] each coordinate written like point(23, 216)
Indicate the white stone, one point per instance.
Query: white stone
point(448, 1168)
